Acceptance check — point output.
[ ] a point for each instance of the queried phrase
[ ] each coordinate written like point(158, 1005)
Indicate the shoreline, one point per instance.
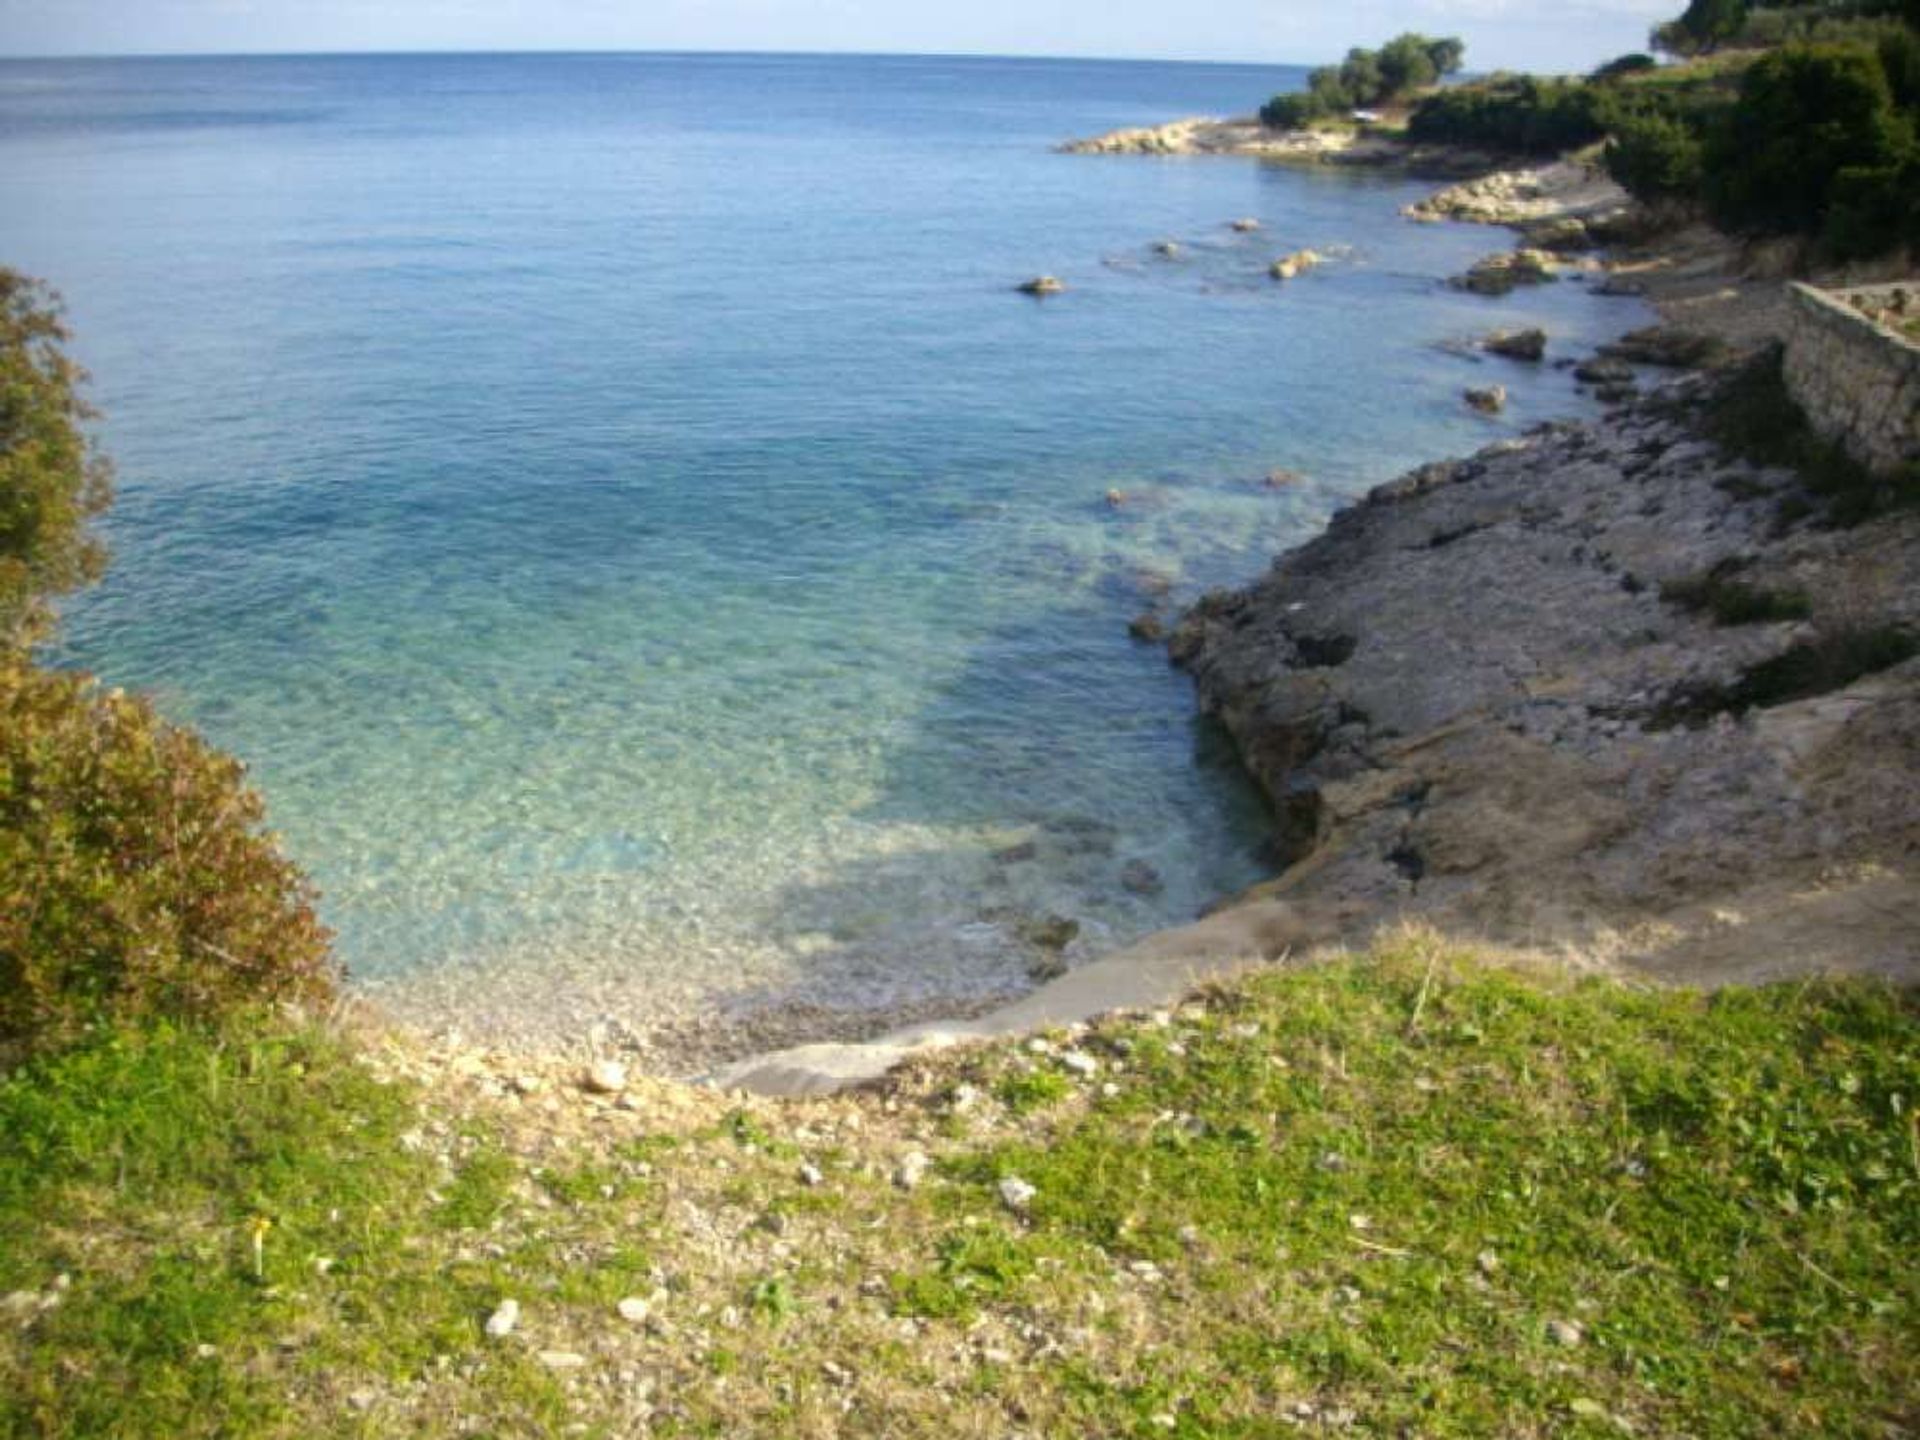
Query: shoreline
point(1368, 873)
point(1692, 280)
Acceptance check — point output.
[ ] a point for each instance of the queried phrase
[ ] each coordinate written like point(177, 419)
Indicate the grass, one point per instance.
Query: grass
point(1380, 1195)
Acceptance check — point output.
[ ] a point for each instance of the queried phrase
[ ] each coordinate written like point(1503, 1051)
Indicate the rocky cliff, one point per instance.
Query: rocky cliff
point(1503, 693)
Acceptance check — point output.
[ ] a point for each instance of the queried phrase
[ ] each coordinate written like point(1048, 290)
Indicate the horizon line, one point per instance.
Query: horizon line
point(683, 51)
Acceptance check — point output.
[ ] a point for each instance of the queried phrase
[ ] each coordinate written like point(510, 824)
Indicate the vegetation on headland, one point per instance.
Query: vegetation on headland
point(1404, 1191)
point(1796, 118)
point(1406, 64)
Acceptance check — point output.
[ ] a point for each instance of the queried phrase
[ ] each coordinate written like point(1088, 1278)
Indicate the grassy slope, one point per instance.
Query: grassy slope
point(1362, 1196)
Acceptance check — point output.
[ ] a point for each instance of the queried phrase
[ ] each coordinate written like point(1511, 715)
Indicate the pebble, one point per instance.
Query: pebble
point(634, 1310)
point(1080, 1063)
point(810, 1175)
point(911, 1171)
point(1016, 1194)
point(562, 1359)
point(604, 1077)
point(1565, 1332)
point(503, 1319)
point(1488, 1262)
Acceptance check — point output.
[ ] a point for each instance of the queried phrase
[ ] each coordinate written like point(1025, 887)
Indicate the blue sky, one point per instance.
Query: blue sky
point(1535, 34)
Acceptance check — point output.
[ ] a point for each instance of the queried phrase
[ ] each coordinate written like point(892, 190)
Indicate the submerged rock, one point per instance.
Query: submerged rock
point(1041, 285)
point(1488, 399)
point(1141, 878)
point(1246, 225)
point(1148, 626)
point(1279, 479)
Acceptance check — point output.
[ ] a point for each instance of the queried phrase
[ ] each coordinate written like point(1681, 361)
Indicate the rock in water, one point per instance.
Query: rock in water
point(1603, 372)
point(1498, 274)
point(1488, 399)
point(1246, 225)
point(1148, 627)
point(1041, 285)
point(1299, 262)
point(1141, 878)
point(1517, 344)
point(1050, 932)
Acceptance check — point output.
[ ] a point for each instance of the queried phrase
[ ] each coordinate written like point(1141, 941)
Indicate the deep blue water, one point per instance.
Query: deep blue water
point(647, 552)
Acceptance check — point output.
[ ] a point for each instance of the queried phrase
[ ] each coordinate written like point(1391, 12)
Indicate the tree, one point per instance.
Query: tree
point(1704, 25)
point(52, 482)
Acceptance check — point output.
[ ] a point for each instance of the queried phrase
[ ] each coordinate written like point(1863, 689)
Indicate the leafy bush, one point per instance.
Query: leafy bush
point(134, 877)
point(51, 482)
point(1654, 157)
point(1805, 114)
point(1522, 114)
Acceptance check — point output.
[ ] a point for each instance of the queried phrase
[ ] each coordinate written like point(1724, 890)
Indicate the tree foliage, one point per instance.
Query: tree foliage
point(1406, 63)
point(51, 481)
point(1806, 116)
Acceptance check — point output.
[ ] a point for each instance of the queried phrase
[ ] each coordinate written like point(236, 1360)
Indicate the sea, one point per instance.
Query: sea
point(658, 570)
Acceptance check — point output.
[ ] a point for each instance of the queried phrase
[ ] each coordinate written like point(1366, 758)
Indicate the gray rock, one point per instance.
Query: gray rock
point(604, 1077)
point(1016, 1194)
point(1141, 878)
point(1148, 626)
point(1488, 399)
point(911, 1170)
point(1603, 372)
point(1517, 344)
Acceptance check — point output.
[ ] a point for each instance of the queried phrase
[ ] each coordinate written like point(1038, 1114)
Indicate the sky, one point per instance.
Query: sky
point(1548, 35)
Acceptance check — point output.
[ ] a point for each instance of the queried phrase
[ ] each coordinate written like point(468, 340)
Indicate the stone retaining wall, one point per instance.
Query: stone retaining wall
point(1858, 381)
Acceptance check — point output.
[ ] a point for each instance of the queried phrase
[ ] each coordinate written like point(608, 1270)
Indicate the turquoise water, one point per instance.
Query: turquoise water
point(649, 556)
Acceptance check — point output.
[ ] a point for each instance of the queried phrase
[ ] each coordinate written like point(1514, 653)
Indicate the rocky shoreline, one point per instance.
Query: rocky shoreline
point(1499, 695)
point(1249, 139)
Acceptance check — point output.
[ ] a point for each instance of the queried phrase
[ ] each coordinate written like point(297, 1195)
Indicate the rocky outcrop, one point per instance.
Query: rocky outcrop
point(1202, 135)
point(1540, 198)
point(1499, 274)
point(1469, 702)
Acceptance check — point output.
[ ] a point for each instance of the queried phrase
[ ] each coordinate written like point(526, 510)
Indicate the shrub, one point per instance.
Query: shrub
point(51, 482)
point(1632, 64)
point(1524, 115)
point(1655, 158)
point(1805, 114)
point(134, 877)
point(1289, 112)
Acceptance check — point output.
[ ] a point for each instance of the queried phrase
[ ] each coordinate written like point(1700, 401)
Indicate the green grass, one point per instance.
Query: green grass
point(1358, 1196)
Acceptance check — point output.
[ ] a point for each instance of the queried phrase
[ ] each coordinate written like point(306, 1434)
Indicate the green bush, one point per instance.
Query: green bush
point(1805, 114)
point(1520, 114)
point(1632, 64)
point(51, 482)
point(135, 879)
point(1654, 157)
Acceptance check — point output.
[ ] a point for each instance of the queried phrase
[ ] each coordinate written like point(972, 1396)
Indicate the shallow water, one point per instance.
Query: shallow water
point(649, 556)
